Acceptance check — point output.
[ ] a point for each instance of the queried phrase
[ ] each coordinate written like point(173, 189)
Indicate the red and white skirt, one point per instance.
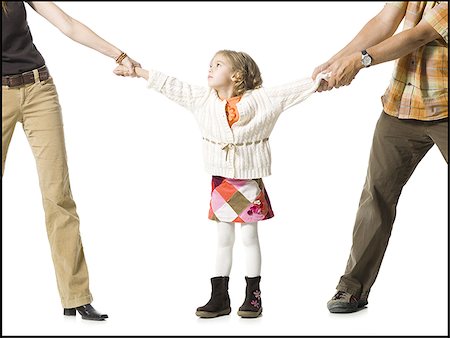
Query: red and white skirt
point(239, 200)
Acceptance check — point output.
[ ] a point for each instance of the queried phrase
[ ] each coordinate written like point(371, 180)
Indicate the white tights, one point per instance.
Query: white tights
point(224, 258)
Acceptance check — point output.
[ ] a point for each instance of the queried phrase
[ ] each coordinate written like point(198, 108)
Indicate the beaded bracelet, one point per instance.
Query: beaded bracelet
point(121, 57)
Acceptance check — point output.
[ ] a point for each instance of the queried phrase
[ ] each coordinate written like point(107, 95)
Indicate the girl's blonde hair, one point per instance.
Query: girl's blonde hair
point(4, 6)
point(246, 74)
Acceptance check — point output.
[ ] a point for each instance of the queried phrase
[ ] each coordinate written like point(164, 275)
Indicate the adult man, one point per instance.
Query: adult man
point(414, 118)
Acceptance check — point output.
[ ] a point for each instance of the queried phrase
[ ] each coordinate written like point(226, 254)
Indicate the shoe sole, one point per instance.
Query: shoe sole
point(250, 314)
point(206, 314)
point(90, 318)
point(72, 313)
point(345, 308)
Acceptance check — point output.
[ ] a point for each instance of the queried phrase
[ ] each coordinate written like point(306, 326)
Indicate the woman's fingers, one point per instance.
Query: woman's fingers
point(121, 70)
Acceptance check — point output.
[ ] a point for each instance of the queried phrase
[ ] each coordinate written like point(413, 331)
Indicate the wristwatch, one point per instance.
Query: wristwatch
point(366, 59)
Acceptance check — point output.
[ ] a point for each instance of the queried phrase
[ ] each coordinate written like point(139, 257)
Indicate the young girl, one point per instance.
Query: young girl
point(236, 116)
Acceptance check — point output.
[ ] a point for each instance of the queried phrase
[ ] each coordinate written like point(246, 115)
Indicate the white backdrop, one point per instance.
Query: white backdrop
point(142, 195)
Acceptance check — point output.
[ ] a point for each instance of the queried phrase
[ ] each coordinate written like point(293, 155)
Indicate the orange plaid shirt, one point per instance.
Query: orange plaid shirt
point(419, 85)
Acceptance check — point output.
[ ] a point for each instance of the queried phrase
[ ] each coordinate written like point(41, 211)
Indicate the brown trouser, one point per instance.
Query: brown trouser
point(397, 148)
point(37, 107)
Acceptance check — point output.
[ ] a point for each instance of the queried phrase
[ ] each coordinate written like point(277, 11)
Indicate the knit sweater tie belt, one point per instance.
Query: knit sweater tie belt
point(233, 146)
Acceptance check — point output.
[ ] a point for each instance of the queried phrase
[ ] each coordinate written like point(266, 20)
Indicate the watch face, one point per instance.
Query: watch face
point(366, 60)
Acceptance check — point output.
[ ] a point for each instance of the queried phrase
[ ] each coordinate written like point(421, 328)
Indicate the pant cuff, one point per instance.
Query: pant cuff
point(78, 301)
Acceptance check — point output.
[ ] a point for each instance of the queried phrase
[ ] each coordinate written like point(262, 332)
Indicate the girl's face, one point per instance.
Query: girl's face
point(220, 73)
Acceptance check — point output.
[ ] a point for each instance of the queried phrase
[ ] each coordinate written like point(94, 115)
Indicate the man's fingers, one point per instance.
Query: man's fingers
point(315, 73)
point(331, 83)
point(320, 87)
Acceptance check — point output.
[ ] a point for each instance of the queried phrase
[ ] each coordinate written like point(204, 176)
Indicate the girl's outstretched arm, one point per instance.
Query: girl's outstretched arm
point(185, 94)
point(140, 72)
point(291, 94)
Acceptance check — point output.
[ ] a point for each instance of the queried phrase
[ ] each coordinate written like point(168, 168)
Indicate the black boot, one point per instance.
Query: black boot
point(219, 304)
point(86, 311)
point(252, 306)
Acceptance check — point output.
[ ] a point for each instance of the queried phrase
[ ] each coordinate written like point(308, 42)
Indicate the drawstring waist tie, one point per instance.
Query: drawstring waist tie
point(233, 146)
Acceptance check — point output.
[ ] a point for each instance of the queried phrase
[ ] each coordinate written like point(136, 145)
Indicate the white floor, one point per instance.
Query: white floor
point(149, 275)
point(140, 310)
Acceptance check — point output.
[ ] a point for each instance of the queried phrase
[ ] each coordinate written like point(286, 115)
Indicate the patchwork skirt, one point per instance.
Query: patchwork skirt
point(239, 200)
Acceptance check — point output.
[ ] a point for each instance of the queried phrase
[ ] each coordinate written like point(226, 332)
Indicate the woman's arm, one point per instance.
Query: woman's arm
point(80, 33)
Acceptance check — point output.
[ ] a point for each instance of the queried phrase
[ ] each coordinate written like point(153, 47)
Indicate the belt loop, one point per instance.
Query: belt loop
point(36, 76)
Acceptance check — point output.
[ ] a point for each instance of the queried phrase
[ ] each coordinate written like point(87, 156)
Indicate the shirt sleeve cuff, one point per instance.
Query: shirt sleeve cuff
point(438, 19)
point(156, 80)
point(398, 4)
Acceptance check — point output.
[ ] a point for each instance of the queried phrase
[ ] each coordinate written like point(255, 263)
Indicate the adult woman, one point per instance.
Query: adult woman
point(29, 96)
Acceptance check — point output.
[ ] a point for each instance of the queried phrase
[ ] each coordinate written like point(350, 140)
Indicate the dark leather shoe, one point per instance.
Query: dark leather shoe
point(344, 302)
point(87, 312)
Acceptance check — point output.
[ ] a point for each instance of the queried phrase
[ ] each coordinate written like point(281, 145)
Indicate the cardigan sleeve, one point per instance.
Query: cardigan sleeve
point(288, 95)
point(186, 95)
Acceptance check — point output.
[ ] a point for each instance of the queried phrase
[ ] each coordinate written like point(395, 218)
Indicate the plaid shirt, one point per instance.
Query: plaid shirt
point(419, 84)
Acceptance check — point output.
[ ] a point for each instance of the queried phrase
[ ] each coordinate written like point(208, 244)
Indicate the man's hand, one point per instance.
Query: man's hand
point(320, 69)
point(343, 71)
point(323, 84)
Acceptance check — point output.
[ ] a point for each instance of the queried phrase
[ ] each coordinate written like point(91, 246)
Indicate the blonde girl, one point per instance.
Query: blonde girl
point(236, 116)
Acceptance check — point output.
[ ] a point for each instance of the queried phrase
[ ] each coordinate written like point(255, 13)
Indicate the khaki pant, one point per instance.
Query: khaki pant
point(37, 107)
point(398, 147)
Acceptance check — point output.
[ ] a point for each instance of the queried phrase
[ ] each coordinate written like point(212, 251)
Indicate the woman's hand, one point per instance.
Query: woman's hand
point(130, 66)
point(122, 70)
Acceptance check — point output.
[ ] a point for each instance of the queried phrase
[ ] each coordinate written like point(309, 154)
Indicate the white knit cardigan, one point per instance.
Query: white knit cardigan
point(241, 151)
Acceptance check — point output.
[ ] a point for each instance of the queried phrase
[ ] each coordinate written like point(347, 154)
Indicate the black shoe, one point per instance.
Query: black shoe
point(344, 302)
point(252, 306)
point(86, 312)
point(219, 304)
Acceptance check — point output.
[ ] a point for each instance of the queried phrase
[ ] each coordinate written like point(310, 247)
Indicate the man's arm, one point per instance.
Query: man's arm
point(345, 69)
point(403, 43)
point(378, 29)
